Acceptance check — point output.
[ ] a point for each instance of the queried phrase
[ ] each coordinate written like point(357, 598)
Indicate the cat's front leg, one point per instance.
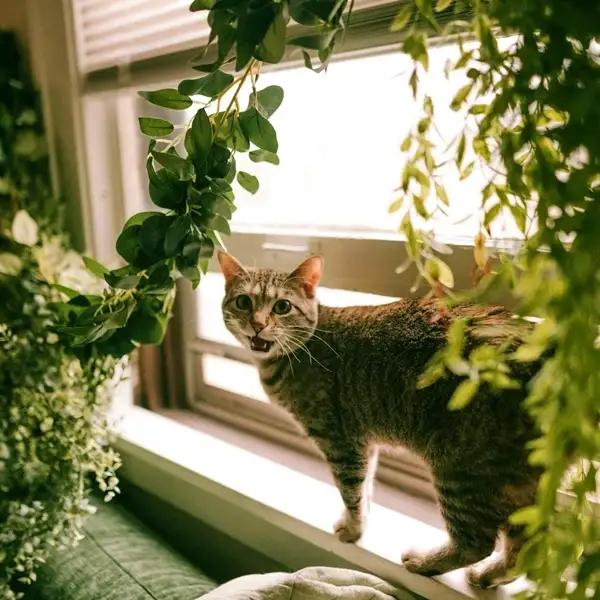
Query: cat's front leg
point(353, 467)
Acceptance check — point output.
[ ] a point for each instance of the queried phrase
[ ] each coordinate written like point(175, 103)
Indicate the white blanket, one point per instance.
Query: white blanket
point(313, 583)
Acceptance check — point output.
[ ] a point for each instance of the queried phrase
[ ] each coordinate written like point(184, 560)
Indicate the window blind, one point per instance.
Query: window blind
point(113, 33)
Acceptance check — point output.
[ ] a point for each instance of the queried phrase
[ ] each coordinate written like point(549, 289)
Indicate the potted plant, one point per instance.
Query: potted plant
point(54, 434)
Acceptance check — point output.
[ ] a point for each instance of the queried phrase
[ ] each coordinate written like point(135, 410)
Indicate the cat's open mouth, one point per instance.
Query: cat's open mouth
point(259, 345)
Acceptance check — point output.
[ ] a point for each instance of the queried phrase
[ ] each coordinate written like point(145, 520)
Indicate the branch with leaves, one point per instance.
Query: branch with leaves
point(533, 109)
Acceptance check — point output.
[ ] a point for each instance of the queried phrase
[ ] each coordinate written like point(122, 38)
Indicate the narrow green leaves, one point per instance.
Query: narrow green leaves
point(258, 156)
point(272, 48)
point(463, 394)
point(402, 18)
point(94, 266)
point(248, 182)
point(181, 167)
point(210, 86)
point(198, 5)
point(155, 127)
point(168, 98)
point(267, 100)
point(202, 136)
point(258, 130)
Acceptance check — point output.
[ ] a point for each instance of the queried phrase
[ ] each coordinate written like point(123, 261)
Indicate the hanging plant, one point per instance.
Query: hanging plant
point(531, 111)
point(54, 400)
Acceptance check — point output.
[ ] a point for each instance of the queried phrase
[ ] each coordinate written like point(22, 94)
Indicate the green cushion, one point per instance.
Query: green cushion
point(119, 559)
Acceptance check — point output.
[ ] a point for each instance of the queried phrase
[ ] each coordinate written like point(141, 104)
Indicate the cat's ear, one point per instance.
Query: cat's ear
point(308, 273)
point(230, 267)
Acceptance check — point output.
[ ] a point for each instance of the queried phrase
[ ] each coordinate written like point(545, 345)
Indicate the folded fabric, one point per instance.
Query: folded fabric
point(312, 583)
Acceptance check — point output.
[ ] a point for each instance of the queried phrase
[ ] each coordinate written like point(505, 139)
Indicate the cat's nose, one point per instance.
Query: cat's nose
point(258, 327)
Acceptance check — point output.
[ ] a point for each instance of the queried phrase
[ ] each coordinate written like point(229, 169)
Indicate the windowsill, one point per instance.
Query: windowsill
point(281, 512)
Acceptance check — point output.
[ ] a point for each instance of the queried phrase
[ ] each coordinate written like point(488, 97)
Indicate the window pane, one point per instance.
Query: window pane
point(232, 376)
point(339, 143)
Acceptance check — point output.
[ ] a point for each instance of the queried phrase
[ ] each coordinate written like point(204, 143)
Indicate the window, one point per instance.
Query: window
point(340, 135)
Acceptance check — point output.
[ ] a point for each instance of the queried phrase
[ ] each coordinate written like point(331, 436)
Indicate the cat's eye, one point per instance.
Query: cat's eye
point(282, 307)
point(244, 302)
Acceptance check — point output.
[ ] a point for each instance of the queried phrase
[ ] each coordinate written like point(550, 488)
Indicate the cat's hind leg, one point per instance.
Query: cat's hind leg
point(472, 524)
point(498, 569)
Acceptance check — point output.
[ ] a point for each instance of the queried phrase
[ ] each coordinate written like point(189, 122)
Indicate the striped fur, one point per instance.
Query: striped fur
point(348, 376)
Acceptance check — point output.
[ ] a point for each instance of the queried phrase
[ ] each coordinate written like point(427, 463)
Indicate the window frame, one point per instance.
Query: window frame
point(360, 262)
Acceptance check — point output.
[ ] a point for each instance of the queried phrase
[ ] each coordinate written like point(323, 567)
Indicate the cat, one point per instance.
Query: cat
point(348, 376)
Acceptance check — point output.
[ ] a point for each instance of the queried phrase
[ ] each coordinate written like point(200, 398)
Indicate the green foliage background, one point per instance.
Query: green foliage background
point(53, 401)
point(534, 107)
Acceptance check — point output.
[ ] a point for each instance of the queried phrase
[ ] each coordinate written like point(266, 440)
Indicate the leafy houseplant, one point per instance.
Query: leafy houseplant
point(53, 402)
point(532, 107)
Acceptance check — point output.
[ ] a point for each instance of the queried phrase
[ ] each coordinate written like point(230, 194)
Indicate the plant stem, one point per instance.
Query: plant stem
point(235, 95)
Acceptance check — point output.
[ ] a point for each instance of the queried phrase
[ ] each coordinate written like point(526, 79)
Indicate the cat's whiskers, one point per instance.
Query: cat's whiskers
point(318, 337)
point(287, 355)
point(302, 346)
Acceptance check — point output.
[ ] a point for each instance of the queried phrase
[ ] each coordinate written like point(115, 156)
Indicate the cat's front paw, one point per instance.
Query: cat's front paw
point(348, 529)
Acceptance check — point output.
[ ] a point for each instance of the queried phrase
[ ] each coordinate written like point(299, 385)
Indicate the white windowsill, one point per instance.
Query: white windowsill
point(253, 499)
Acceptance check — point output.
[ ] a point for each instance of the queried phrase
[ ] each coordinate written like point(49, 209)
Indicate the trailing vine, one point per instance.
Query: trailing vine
point(531, 112)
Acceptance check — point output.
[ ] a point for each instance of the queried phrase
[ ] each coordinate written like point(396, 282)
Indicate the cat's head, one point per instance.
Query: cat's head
point(271, 313)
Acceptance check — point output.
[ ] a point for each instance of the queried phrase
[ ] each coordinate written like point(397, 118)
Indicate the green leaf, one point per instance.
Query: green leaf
point(233, 134)
point(139, 218)
point(210, 86)
point(94, 266)
point(128, 244)
point(461, 96)
point(176, 233)
point(300, 11)
point(267, 100)
point(441, 194)
point(520, 216)
point(68, 292)
point(442, 5)
point(440, 271)
point(219, 223)
point(589, 566)
point(152, 235)
point(313, 41)
point(525, 516)
point(463, 394)
point(468, 170)
point(191, 273)
point(198, 5)
point(396, 205)
point(155, 127)
point(125, 282)
point(258, 130)
point(272, 48)
point(177, 165)
point(402, 18)
point(248, 182)
point(10, 264)
point(168, 98)
point(528, 352)
point(146, 328)
point(460, 151)
point(491, 214)
point(405, 146)
point(202, 136)
point(258, 156)
point(24, 229)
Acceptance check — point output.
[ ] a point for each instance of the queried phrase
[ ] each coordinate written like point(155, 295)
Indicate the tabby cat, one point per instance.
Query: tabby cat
point(348, 376)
